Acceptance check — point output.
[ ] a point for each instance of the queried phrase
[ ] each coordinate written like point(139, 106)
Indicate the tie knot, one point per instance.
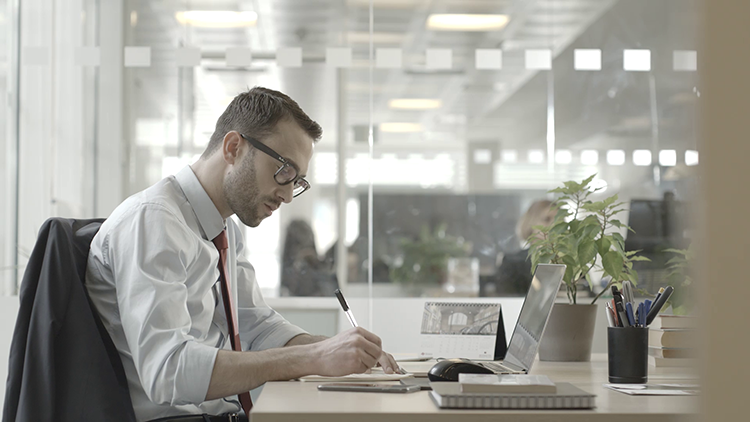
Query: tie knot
point(221, 241)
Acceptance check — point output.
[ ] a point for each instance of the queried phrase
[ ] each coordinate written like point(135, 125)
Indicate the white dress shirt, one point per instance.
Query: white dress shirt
point(153, 276)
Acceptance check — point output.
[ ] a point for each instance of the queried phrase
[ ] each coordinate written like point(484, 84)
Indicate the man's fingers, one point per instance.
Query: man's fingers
point(372, 349)
point(367, 359)
point(388, 363)
point(369, 336)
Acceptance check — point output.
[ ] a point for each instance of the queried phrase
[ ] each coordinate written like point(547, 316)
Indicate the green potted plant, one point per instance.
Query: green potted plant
point(583, 230)
point(679, 277)
point(423, 263)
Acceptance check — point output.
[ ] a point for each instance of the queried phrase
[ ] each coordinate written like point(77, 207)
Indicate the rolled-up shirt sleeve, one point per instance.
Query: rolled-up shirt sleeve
point(260, 326)
point(150, 250)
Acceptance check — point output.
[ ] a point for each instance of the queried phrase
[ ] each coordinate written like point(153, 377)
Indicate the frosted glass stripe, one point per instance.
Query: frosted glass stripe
point(137, 57)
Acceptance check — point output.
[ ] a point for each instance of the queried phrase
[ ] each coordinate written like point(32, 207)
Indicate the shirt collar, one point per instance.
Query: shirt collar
point(208, 215)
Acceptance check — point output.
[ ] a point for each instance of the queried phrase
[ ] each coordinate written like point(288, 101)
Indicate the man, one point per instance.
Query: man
point(153, 269)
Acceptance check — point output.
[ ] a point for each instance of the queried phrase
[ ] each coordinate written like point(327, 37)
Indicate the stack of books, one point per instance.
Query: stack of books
point(671, 341)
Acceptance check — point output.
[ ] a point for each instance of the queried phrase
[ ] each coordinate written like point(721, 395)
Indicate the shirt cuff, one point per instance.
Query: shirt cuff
point(194, 373)
point(278, 337)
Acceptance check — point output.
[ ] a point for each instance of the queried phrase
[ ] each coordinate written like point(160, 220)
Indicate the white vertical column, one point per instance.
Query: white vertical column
point(68, 165)
point(111, 140)
point(36, 121)
point(9, 155)
point(52, 178)
point(342, 254)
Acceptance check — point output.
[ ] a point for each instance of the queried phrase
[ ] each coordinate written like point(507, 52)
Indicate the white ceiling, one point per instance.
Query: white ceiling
point(593, 109)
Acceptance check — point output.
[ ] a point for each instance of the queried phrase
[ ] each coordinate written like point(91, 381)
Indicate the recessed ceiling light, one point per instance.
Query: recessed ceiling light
point(642, 157)
point(668, 157)
point(217, 18)
point(536, 156)
point(399, 127)
point(458, 22)
point(415, 103)
point(509, 156)
point(563, 156)
point(615, 157)
point(691, 157)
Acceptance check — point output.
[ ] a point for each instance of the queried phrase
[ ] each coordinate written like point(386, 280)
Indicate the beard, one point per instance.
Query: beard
point(241, 193)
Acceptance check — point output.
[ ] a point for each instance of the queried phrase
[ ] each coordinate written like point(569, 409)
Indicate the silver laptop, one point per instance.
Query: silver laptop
point(531, 322)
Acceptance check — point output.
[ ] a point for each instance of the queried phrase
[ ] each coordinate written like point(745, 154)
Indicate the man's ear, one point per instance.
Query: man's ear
point(230, 147)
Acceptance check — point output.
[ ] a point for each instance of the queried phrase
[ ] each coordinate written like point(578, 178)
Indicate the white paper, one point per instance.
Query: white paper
point(376, 375)
point(655, 389)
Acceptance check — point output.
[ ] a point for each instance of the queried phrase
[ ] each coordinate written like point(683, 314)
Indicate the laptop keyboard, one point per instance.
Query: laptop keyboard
point(500, 368)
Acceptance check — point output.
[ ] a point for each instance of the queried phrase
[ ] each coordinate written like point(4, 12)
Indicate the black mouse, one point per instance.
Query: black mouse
point(448, 369)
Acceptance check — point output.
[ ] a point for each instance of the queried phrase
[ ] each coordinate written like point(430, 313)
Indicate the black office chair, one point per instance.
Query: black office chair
point(63, 365)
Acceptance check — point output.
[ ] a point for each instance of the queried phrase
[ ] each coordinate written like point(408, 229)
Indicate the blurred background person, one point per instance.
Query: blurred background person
point(303, 272)
point(514, 275)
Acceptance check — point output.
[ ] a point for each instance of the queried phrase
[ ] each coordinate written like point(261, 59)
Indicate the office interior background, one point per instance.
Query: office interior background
point(449, 126)
point(472, 121)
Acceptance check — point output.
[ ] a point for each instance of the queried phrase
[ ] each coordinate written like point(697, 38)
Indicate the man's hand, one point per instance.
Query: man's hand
point(388, 363)
point(354, 351)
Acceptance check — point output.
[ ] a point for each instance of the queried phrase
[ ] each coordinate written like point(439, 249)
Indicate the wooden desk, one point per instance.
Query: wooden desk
point(298, 401)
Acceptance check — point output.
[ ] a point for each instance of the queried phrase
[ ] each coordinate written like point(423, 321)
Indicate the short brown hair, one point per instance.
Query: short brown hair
point(256, 113)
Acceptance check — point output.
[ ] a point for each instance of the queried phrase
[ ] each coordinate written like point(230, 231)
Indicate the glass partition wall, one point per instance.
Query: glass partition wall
point(445, 124)
point(482, 107)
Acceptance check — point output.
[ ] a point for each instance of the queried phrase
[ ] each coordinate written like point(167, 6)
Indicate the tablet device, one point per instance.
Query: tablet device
point(368, 388)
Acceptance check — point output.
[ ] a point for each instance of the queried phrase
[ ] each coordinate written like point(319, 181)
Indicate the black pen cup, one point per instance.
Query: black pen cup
point(627, 352)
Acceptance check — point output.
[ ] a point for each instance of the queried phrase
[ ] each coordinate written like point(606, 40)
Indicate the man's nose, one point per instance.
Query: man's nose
point(286, 193)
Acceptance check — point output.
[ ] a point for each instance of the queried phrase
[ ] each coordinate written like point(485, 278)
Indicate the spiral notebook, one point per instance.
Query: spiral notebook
point(448, 395)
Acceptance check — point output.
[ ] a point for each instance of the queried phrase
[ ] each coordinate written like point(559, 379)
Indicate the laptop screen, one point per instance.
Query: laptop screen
point(534, 315)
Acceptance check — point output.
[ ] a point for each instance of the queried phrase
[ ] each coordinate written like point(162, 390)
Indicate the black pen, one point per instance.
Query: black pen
point(658, 304)
point(658, 294)
point(345, 307)
point(619, 308)
point(348, 312)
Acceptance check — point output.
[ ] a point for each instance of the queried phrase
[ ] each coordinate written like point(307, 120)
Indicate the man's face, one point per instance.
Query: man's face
point(249, 187)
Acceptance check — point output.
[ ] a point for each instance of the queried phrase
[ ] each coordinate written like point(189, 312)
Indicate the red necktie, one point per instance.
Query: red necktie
point(234, 334)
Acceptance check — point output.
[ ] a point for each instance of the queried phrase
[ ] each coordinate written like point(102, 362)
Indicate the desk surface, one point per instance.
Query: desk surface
point(289, 401)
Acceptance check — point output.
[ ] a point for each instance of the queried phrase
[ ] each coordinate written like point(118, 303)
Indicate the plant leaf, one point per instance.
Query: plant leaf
point(586, 251)
point(603, 245)
point(612, 262)
point(587, 180)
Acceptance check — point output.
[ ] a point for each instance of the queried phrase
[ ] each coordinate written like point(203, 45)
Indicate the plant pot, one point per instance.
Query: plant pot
point(569, 333)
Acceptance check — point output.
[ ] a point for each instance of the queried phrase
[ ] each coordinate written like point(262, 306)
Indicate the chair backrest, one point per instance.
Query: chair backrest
point(63, 364)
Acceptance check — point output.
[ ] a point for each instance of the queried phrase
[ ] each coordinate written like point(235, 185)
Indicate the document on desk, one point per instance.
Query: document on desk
point(656, 389)
point(376, 375)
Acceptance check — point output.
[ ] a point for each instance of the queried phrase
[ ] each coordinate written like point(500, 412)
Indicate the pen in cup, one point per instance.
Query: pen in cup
point(610, 315)
point(348, 312)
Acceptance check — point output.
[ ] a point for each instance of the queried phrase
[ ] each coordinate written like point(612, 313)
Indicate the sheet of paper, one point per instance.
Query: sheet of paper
point(409, 357)
point(418, 369)
point(376, 375)
point(655, 389)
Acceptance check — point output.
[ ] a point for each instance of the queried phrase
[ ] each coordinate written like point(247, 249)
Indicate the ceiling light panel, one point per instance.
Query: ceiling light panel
point(415, 103)
point(216, 18)
point(466, 22)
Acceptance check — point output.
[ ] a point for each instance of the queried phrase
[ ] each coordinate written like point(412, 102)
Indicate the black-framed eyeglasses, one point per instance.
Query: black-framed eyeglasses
point(287, 172)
